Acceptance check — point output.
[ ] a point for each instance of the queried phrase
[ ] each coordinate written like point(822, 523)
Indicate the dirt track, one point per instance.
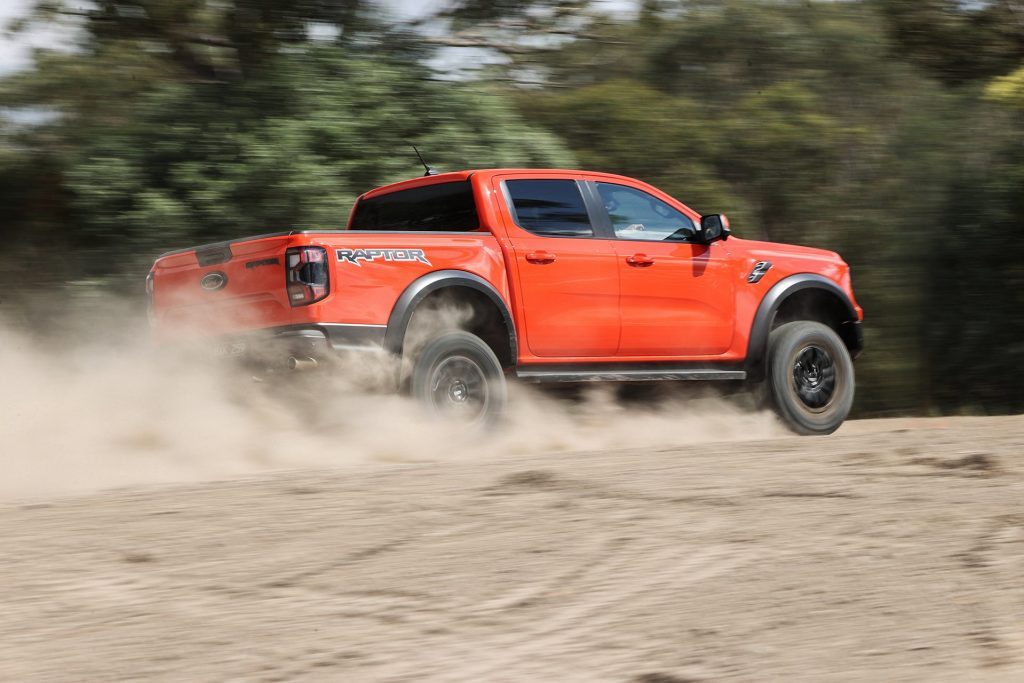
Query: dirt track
point(893, 550)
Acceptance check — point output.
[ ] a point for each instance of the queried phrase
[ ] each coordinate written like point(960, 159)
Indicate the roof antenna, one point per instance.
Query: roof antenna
point(430, 169)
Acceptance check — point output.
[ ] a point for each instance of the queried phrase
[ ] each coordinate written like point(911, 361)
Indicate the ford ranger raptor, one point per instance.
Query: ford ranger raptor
point(566, 276)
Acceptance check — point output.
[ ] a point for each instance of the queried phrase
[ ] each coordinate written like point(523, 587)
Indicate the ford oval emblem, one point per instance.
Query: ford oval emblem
point(211, 282)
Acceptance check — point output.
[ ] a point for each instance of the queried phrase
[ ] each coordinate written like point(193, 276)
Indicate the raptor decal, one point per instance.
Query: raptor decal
point(356, 256)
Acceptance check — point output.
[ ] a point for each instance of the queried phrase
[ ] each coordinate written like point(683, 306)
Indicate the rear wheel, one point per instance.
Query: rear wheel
point(810, 377)
point(456, 376)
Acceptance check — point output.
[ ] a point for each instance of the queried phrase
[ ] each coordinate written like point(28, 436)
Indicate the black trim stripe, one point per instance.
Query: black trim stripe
point(289, 233)
point(609, 373)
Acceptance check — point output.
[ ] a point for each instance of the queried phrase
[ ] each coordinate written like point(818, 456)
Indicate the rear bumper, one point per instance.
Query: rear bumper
point(339, 336)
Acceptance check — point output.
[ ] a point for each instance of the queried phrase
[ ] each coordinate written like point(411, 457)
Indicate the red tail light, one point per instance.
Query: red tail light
point(306, 275)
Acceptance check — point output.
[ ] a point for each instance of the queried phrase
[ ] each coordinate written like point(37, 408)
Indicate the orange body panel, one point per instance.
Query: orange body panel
point(683, 304)
point(567, 289)
point(572, 299)
point(361, 293)
point(252, 298)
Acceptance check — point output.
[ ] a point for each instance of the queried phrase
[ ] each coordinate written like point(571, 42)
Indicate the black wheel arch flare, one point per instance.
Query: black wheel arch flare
point(424, 286)
point(757, 346)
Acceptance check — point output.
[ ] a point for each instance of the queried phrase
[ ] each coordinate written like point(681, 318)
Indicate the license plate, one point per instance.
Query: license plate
point(229, 349)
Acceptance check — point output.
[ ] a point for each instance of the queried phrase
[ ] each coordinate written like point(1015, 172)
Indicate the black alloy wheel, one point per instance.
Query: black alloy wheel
point(814, 377)
point(810, 377)
point(457, 377)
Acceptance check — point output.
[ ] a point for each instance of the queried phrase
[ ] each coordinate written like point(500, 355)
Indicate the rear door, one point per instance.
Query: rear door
point(677, 297)
point(568, 279)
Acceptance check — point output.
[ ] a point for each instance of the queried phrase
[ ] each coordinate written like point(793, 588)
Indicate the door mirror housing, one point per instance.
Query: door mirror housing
point(713, 227)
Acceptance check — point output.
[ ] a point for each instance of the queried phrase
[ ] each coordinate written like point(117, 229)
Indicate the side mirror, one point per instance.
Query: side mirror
point(713, 227)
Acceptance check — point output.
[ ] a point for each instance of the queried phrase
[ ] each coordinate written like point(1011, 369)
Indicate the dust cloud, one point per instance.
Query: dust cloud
point(102, 407)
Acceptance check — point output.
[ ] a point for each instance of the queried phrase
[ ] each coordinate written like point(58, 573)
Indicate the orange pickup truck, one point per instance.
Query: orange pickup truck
point(565, 276)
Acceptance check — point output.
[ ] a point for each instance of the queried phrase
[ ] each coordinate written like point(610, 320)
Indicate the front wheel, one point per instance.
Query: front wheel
point(456, 376)
point(810, 376)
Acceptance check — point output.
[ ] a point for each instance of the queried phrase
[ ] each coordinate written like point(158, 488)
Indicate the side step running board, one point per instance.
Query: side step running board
point(535, 374)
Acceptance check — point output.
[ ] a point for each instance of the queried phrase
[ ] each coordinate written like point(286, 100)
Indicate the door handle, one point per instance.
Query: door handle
point(640, 260)
point(540, 257)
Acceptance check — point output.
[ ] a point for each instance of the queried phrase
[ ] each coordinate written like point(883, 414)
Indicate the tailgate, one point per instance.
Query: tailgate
point(221, 288)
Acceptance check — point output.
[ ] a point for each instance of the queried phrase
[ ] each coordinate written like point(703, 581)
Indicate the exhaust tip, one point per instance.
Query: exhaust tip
point(302, 363)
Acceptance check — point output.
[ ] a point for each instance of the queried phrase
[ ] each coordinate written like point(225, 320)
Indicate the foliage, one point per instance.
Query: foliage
point(153, 154)
point(955, 40)
point(1008, 89)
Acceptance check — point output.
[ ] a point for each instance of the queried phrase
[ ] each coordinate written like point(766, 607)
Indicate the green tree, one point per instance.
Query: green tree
point(958, 41)
point(146, 150)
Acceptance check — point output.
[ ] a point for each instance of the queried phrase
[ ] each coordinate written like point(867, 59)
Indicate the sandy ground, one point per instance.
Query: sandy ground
point(893, 550)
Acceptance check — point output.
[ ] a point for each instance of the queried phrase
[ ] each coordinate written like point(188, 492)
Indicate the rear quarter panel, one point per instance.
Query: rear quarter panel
point(363, 290)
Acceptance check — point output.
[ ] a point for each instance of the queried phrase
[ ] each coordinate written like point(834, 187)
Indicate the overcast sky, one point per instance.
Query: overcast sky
point(16, 54)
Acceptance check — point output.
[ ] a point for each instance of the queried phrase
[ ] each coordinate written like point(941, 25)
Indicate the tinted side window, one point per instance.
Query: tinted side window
point(445, 206)
point(553, 208)
point(636, 215)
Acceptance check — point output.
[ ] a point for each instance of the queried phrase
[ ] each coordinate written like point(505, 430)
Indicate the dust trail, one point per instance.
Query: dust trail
point(108, 410)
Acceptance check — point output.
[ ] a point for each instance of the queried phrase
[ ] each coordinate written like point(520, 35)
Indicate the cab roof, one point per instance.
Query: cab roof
point(456, 176)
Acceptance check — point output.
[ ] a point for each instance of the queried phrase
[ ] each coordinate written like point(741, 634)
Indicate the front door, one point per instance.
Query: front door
point(676, 296)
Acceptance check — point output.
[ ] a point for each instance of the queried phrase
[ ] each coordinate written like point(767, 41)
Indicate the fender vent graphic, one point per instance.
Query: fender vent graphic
point(356, 256)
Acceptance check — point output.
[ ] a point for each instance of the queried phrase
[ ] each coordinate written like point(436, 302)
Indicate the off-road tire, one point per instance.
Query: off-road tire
point(457, 376)
point(810, 377)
